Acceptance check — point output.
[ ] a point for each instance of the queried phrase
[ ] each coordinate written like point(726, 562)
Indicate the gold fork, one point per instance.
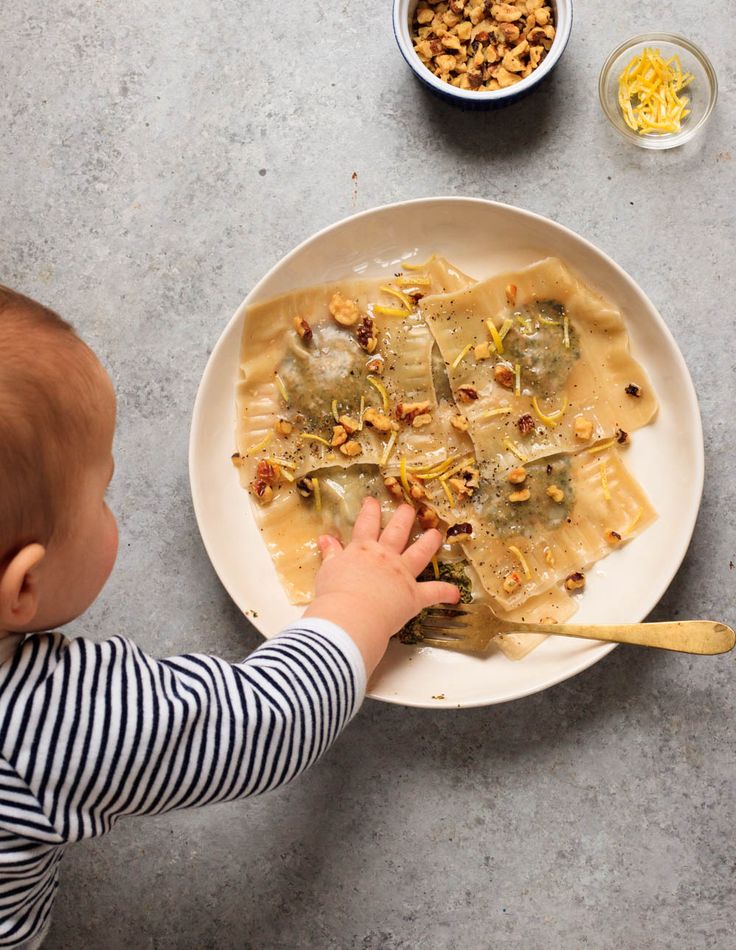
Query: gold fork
point(470, 628)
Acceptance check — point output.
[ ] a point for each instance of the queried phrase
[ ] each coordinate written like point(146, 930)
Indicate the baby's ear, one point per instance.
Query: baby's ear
point(19, 588)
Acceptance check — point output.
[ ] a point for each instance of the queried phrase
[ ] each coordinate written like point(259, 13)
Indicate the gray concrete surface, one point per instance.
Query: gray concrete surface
point(155, 160)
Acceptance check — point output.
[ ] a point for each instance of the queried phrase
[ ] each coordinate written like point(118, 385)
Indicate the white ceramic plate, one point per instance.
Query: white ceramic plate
point(482, 238)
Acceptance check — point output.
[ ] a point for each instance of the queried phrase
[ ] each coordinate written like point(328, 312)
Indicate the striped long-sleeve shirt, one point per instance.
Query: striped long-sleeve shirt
point(91, 732)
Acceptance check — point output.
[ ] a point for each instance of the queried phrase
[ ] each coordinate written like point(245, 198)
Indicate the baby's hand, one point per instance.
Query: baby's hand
point(369, 588)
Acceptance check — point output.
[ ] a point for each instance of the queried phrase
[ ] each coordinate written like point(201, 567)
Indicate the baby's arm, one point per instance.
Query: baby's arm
point(108, 731)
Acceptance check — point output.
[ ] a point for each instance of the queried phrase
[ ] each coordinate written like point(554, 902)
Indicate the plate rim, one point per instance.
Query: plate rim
point(595, 653)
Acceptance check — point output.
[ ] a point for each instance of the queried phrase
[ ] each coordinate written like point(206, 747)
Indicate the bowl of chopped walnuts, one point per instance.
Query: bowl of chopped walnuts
point(479, 54)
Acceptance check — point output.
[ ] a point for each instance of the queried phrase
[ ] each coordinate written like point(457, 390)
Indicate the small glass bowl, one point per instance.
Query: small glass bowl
point(702, 91)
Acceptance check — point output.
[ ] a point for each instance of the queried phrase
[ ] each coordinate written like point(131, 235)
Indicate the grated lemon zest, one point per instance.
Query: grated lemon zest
point(522, 560)
point(604, 480)
point(600, 446)
point(407, 301)
point(435, 567)
point(414, 281)
point(549, 419)
point(407, 265)
point(566, 332)
point(436, 472)
point(362, 411)
point(633, 523)
point(307, 436)
point(391, 311)
point(489, 413)
point(317, 493)
point(495, 336)
point(549, 323)
point(457, 468)
point(402, 474)
point(416, 469)
point(282, 462)
point(508, 444)
point(448, 492)
point(517, 382)
point(461, 356)
point(389, 449)
point(335, 413)
point(281, 388)
point(257, 446)
point(284, 471)
point(381, 389)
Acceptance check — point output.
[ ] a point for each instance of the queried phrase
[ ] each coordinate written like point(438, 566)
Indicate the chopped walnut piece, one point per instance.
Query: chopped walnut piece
point(517, 476)
point(504, 375)
point(267, 474)
point(505, 12)
point(512, 582)
point(305, 487)
point(427, 518)
point(575, 581)
point(393, 487)
point(262, 491)
point(339, 436)
point(583, 428)
point(556, 494)
point(633, 390)
point(346, 312)
point(518, 496)
point(460, 423)
point(375, 366)
point(482, 351)
point(236, 459)
point(351, 449)
point(623, 438)
point(424, 15)
point(366, 335)
point(459, 532)
point(416, 490)
point(613, 538)
point(378, 421)
point(463, 488)
point(303, 329)
point(446, 63)
point(408, 411)
point(283, 427)
point(349, 424)
point(467, 394)
point(423, 419)
point(525, 424)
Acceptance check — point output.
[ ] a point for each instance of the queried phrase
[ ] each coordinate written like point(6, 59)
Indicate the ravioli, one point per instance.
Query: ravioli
point(538, 363)
point(294, 389)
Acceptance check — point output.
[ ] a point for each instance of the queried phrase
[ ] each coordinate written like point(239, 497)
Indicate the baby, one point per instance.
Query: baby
point(93, 731)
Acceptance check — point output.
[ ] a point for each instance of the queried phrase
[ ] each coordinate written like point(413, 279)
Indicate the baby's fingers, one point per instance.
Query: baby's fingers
point(328, 546)
point(437, 592)
point(397, 531)
point(368, 523)
point(418, 555)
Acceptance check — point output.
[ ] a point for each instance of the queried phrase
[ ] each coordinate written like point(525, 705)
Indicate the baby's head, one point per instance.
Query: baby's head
point(58, 538)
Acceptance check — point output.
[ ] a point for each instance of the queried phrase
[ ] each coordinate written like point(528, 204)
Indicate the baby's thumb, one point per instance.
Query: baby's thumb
point(328, 546)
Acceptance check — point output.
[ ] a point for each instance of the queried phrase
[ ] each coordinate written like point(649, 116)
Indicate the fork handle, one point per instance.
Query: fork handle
point(683, 636)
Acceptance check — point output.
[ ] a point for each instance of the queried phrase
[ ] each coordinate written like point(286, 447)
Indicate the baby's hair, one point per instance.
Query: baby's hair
point(47, 386)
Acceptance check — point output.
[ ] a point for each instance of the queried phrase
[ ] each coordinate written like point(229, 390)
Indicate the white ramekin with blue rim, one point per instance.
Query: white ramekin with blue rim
point(403, 15)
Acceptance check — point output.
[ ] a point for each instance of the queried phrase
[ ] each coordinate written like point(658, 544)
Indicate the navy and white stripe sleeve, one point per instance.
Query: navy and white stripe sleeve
point(96, 731)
